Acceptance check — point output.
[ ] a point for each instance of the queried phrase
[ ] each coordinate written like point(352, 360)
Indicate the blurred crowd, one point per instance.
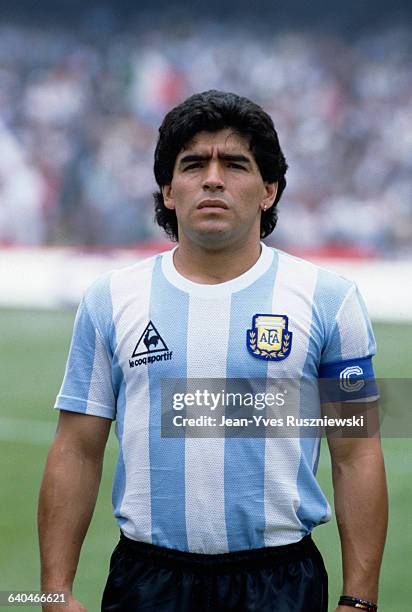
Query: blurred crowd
point(79, 112)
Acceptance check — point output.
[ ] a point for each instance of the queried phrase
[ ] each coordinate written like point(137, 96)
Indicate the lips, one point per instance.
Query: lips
point(212, 204)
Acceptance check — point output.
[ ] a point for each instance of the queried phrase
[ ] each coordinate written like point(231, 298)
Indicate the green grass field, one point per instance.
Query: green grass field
point(33, 349)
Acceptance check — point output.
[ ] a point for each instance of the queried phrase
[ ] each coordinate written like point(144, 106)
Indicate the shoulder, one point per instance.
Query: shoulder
point(115, 288)
point(132, 276)
point(323, 281)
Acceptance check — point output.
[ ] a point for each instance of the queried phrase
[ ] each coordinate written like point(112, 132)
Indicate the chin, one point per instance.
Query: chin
point(216, 228)
point(213, 237)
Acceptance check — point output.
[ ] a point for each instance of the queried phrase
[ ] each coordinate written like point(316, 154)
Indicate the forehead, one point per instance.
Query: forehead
point(227, 140)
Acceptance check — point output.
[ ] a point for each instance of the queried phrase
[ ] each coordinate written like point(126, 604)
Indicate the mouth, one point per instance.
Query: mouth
point(212, 204)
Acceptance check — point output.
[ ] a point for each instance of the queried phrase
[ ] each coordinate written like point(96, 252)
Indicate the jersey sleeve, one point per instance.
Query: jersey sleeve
point(87, 384)
point(346, 361)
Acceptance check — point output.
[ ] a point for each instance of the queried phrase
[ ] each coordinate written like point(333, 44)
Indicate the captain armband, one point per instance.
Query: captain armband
point(352, 380)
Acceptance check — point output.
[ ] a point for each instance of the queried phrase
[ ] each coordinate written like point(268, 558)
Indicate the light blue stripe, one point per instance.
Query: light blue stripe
point(80, 362)
point(327, 299)
point(100, 300)
point(71, 404)
point(169, 309)
point(245, 457)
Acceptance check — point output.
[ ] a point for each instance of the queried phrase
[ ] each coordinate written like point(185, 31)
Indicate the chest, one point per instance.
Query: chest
point(232, 337)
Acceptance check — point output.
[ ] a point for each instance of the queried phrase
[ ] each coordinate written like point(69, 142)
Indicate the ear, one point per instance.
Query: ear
point(271, 191)
point(168, 197)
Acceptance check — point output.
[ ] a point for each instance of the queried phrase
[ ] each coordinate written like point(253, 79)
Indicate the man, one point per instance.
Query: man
point(216, 523)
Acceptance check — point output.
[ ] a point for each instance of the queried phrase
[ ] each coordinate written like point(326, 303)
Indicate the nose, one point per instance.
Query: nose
point(213, 179)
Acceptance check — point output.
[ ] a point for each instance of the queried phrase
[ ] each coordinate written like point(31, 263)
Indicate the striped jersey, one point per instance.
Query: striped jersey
point(146, 323)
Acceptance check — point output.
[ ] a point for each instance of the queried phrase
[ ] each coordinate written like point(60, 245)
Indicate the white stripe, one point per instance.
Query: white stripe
point(351, 318)
point(131, 315)
point(293, 296)
point(208, 326)
point(100, 389)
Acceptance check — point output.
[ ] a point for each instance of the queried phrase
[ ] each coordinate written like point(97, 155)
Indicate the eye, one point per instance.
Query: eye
point(192, 166)
point(236, 166)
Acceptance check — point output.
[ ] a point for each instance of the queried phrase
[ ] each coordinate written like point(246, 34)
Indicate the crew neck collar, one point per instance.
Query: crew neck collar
point(220, 289)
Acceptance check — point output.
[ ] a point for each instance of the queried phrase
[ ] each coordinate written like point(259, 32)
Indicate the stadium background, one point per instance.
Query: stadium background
point(81, 94)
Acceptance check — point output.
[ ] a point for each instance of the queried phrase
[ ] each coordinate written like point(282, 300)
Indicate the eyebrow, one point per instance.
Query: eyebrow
point(232, 157)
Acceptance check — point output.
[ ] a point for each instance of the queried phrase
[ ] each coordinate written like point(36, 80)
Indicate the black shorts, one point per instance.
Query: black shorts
point(144, 577)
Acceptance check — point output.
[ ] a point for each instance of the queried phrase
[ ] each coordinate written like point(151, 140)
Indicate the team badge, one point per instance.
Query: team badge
point(269, 338)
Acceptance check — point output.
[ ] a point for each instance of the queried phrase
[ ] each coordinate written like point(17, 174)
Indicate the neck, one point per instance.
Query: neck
point(213, 266)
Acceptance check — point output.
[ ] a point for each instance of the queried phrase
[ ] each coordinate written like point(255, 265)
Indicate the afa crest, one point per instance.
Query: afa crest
point(269, 338)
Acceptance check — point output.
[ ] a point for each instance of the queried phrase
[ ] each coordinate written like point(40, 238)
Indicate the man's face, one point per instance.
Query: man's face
point(217, 190)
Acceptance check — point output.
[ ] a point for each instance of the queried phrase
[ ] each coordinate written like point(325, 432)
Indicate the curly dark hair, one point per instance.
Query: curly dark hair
point(212, 111)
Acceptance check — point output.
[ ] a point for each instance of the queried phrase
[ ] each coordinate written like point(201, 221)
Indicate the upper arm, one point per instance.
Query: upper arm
point(349, 445)
point(347, 381)
point(349, 334)
point(348, 450)
point(82, 434)
point(90, 384)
